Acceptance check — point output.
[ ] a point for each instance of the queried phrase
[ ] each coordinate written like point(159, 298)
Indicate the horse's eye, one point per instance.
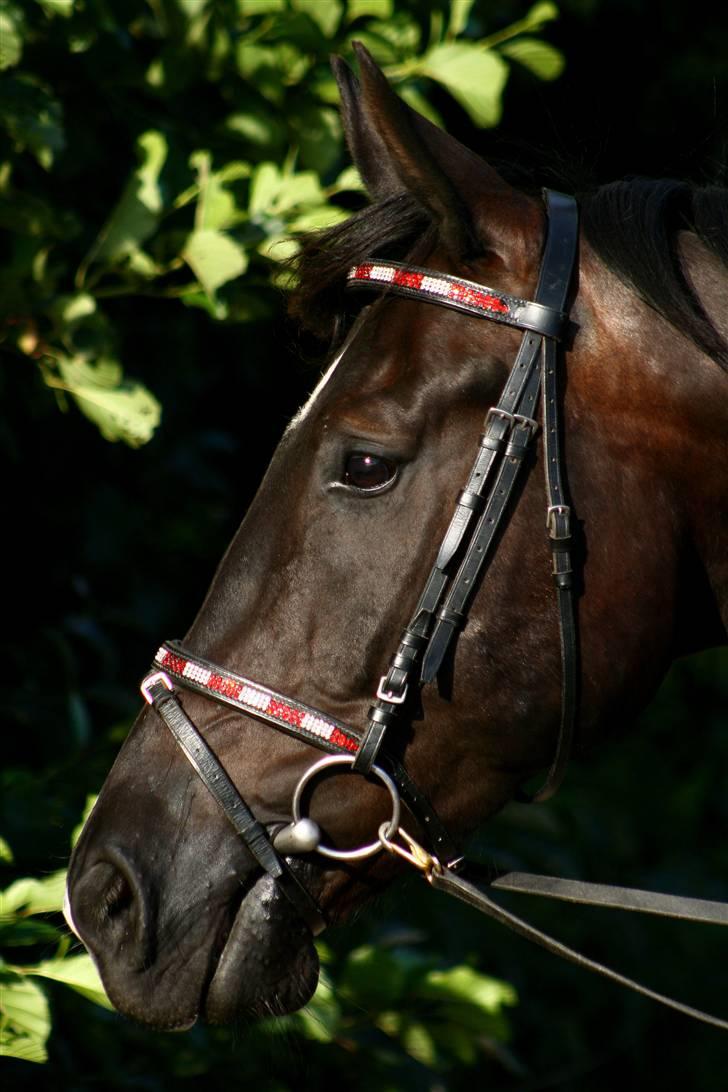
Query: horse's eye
point(369, 472)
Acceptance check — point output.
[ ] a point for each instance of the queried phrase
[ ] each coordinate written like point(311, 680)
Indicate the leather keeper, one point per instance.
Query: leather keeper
point(453, 617)
point(381, 716)
point(471, 500)
point(412, 640)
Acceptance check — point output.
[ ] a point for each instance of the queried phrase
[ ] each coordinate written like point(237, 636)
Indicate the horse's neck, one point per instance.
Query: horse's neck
point(709, 279)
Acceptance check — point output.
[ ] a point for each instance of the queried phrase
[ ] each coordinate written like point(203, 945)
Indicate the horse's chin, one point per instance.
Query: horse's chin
point(268, 966)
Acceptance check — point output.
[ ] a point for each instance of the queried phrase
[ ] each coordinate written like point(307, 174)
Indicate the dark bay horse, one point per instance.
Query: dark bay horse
point(330, 560)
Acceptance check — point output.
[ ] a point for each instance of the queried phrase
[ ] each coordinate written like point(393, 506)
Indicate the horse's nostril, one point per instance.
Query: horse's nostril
point(118, 896)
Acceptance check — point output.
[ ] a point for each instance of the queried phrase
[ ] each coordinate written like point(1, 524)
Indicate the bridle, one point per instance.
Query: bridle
point(469, 542)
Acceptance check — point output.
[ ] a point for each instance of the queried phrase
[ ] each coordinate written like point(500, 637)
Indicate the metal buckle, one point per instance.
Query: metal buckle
point(150, 680)
point(512, 418)
point(551, 513)
point(363, 851)
point(495, 411)
point(389, 695)
point(529, 421)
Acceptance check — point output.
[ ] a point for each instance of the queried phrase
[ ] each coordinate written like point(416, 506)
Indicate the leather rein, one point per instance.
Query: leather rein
point(509, 429)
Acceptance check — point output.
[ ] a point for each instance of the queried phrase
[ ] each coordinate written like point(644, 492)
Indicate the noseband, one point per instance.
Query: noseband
point(509, 429)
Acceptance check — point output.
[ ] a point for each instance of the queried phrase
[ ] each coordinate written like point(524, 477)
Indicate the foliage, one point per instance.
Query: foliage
point(211, 134)
point(124, 124)
point(25, 1021)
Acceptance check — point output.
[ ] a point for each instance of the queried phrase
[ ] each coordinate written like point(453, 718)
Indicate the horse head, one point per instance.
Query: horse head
point(331, 558)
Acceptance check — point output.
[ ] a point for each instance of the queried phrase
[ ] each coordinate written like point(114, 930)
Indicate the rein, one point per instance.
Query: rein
point(510, 427)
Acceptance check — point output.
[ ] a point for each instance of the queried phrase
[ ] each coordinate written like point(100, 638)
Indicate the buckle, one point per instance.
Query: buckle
point(532, 425)
point(389, 695)
point(150, 680)
point(552, 513)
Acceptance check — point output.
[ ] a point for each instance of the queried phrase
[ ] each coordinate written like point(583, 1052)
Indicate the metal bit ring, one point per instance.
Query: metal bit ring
point(362, 851)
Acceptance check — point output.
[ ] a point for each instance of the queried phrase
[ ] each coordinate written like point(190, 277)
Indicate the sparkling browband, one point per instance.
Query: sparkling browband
point(259, 701)
point(462, 295)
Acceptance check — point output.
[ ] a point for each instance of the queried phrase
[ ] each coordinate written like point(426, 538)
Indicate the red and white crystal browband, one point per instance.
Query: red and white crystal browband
point(462, 295)
point(291, 716)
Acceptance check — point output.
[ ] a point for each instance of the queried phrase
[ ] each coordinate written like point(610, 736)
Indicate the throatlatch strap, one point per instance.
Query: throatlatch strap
point(474, 896)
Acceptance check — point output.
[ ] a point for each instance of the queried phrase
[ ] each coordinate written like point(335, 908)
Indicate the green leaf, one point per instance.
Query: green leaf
point(260, 7)
point(544, 60)
point(64, 8)
point(320, 1019)
point(88, 808)
point(11, 37)
point(465, 984)
point(418, 1042)
point(32, 117)
point(264, 188)
point(25, 1022)
point(349, 179)
point(374, 977)
point(318, 133)
point(6, 853)
point(543, 12)
point(216, 204)
point(137, 214)
point(31, 896)
point(78, 972)
point(260, 66)
point(473, 75)
point(325, 13)
point(214, 258)
point(259, 128)
point(418, 102)
point(121, 408)
point(24, 932)
point(380, 9)
point(317, 219)
point(459, 15)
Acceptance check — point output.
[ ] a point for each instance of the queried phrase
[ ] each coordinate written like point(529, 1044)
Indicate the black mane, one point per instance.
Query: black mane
point(632, 225)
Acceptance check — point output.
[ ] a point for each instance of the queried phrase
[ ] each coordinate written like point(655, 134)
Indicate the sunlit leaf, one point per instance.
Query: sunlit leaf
point(121, 408)
point(63, 8)
point(380, 9)
point(474, 76)
point(544, 60)
point(543, 12)
point(325, 13)
point(137, 214)
point(31, 896)
point(6, 853)
point(319, 1020)
point(24, 1019)
point(214, 258)
point(264, 188)
point(259, 7)
point(459, 15)
point(78, 972)
point(32, 117)
point(465, 984)
point(11, 37)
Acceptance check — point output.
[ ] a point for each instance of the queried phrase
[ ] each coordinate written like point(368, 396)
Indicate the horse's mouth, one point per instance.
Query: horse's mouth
point(268, 965)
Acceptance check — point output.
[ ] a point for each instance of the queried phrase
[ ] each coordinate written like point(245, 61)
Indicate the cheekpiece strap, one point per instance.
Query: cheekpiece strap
point(459, 294)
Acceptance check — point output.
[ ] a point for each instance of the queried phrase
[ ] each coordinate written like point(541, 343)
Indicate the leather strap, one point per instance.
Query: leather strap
point(476, 897)
point(219, 785)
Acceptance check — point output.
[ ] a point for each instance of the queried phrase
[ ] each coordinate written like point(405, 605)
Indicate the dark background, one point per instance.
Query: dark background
point(110, 550)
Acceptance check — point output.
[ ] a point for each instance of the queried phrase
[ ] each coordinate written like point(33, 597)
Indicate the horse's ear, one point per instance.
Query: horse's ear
point(397, 151)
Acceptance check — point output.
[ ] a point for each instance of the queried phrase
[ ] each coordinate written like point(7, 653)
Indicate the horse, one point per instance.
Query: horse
point(203, 899)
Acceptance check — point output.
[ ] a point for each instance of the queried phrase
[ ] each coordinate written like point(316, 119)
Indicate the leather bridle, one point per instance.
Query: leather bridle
point(509, 429)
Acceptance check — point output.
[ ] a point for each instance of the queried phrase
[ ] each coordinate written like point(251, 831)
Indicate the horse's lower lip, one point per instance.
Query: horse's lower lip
point(268, 965)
